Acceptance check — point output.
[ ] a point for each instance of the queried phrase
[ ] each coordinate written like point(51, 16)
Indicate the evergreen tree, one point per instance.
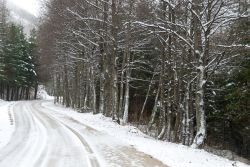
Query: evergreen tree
point(3, 24)
point(19, 68)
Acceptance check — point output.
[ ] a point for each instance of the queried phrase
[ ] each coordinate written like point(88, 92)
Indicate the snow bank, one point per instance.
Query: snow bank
point(173, 155)
point(42, 93)
point(6, 122)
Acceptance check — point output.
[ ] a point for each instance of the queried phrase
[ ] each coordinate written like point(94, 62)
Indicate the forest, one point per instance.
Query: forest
point(18, 76)
point(179, 70)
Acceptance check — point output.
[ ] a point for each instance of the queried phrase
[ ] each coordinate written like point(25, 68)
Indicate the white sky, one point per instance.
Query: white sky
point(31, 6)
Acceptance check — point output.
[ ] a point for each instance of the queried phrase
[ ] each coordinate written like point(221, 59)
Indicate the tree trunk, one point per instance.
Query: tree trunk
point(126, 103)
point(146, 99)
point(153, 115)
point(199, 97)
point(93, 91)
point(121, 88)
point(66, 86)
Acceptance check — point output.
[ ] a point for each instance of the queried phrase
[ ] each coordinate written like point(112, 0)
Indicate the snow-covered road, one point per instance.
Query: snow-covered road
point(45, 139)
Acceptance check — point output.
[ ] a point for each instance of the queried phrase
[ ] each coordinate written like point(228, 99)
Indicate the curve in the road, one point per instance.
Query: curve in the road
point(40, 141)
point(45, 138)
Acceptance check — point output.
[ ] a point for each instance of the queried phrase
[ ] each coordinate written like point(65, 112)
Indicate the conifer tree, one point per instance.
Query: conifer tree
point(18, 70)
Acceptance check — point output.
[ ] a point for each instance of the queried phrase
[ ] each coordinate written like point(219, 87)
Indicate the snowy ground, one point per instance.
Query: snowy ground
point(174, 155)
point(41, 134)
point(6, 122)
point(45, 138)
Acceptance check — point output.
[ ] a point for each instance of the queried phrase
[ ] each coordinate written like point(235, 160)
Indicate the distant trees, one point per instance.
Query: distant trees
point(148, 62)
point(17, 68)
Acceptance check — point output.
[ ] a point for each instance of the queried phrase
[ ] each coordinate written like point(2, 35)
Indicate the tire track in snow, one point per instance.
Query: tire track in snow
point(39, 141)
point(92, 160)
point(10, 108)
point(15, 153)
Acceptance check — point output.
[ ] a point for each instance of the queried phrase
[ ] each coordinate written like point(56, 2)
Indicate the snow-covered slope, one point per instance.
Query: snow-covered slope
point(22, 17)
